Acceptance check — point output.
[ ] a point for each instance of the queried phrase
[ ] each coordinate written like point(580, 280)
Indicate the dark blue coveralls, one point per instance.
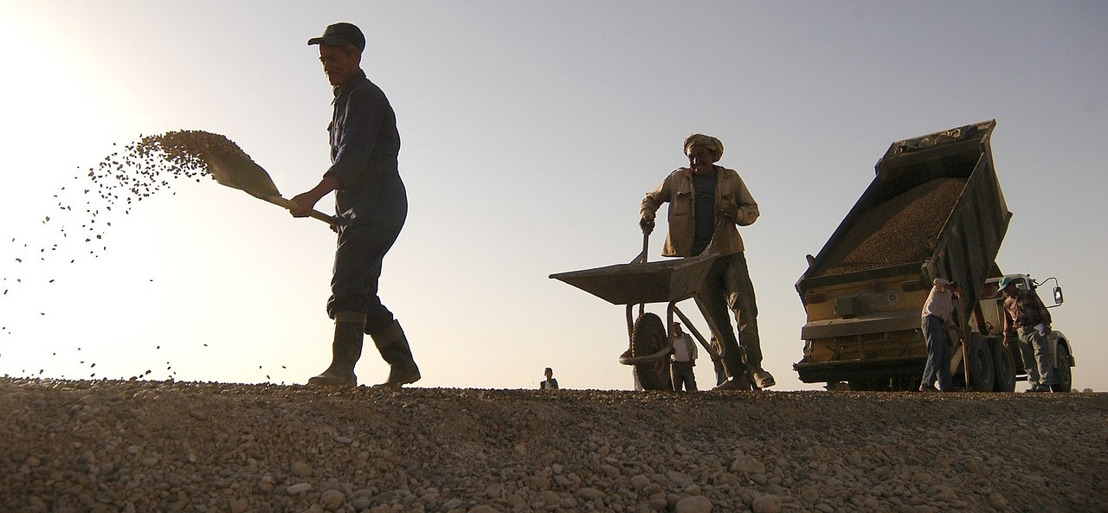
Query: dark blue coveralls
point(371, 202)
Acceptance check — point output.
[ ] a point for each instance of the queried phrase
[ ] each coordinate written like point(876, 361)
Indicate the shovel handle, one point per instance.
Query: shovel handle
point(280, 201)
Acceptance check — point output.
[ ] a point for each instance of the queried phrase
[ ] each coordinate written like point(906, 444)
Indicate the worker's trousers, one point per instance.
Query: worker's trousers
point(682, 375)
point(371, 228)
point(727, 290)
point(938, 354)
point(1035, 349)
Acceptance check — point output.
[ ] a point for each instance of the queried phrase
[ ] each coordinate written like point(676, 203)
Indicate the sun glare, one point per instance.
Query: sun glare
point(56, 105)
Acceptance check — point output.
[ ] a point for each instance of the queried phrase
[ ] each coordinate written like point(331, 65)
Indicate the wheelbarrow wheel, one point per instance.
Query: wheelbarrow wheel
point(648, 337)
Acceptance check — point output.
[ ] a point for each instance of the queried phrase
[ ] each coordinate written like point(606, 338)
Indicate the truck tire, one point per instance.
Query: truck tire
point(981, 365)
point(1063, 377)
point(648, 336)
point(1004, 368)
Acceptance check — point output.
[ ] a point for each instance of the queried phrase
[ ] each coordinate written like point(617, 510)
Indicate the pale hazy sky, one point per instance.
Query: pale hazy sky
point(531, 131)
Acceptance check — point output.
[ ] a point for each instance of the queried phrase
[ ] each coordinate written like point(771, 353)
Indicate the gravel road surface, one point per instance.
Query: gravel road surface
point(110, 446)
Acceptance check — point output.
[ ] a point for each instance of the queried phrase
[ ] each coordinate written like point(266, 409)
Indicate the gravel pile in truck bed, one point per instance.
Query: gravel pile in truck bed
point(896, 232)
point(110, 446)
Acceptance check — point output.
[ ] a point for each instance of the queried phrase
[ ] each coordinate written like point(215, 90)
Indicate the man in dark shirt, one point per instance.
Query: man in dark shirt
point(1025, 314)
point(371, 206)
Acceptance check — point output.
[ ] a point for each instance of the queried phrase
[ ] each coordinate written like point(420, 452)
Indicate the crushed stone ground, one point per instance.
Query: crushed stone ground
point(110, 446)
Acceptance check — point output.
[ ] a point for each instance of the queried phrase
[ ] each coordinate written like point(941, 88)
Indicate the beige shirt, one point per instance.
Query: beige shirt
point(940, 304)
point(677, 189)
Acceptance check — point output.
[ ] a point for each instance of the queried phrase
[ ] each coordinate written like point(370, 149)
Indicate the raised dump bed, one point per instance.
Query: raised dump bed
point(894, 233)
point(935, 209)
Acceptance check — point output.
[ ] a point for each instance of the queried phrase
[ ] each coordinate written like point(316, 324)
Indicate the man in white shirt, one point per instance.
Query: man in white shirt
point(935, 319)
point(683, 359)
point(549, 383)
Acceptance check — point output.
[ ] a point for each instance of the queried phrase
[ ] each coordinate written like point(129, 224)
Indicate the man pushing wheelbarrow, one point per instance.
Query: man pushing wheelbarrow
point(707, 203)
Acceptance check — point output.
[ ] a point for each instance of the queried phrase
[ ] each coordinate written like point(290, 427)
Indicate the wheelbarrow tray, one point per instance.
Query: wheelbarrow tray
point(650, 282)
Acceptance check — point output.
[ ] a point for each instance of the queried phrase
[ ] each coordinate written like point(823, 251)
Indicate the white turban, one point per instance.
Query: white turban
point(711, 143)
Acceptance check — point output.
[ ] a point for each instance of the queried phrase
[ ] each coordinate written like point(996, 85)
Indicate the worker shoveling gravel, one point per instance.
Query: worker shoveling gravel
point(150, 446)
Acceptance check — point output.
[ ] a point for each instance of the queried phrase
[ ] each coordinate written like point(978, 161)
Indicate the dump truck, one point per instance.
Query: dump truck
point(934, 210)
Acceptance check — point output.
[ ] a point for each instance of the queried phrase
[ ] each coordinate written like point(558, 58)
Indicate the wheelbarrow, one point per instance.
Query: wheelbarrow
point(640, 282)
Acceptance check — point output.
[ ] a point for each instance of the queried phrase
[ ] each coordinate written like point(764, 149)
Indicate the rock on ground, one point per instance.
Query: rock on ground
point(108, 446)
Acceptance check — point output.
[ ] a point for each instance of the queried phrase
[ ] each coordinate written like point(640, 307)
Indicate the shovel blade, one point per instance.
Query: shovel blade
point(240, 172)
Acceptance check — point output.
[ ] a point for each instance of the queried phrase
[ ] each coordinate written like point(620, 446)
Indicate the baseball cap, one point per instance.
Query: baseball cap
point(341, 34)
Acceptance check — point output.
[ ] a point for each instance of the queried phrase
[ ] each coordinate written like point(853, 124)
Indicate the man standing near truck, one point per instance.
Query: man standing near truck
point(937, 318)
point(1025, 314)
point(371, 204)
point(706, 205)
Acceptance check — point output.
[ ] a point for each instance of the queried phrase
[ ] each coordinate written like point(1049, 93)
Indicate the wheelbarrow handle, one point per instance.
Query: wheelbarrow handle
point(641, 257)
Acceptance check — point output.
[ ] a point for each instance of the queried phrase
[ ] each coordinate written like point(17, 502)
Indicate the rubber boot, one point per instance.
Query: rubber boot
point(345, 351)
point(762, 378)
point(394, 349)
point(736, 371)
point(738, 382)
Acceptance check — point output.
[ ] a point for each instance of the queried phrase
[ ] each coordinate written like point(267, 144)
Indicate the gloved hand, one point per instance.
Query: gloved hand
point(647, 225)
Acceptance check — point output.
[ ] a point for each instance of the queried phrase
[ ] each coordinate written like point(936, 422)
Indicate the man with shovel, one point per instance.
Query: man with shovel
point(371, 205)
point(706, 205)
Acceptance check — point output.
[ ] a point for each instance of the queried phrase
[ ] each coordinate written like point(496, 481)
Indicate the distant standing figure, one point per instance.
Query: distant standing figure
point(371, 204)
point(683, 359)
point(1027, 316)
point(549, 383)
point(935, 319)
